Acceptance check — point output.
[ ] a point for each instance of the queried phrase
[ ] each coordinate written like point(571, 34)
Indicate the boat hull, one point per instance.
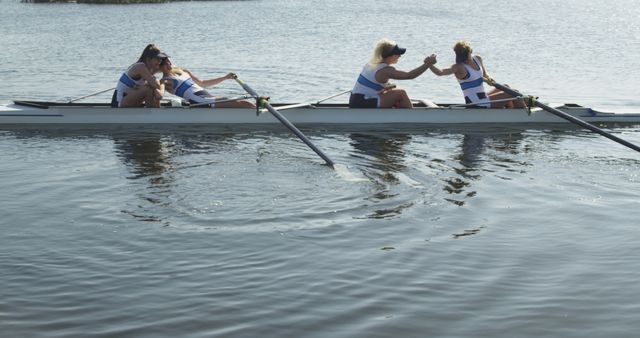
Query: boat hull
point(322, 114)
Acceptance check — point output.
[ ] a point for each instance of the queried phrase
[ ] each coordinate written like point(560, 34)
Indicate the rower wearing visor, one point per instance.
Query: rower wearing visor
point(137, 86)
point(373, 88)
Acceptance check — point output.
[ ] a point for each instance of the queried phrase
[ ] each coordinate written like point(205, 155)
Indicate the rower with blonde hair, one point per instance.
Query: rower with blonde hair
point(373, 89)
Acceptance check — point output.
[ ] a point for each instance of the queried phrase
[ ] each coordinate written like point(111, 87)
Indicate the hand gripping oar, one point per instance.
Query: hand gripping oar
point(264, 103)
point(564, 115)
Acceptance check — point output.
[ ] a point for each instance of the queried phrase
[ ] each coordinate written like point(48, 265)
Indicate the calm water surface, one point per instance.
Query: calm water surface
point(467, 231)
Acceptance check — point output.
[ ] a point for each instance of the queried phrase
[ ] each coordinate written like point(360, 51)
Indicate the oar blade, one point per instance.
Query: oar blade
point(565, 116)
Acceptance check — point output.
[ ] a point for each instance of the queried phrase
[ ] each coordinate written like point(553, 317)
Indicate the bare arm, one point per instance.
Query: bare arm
point(484, 70)
point(210, 82)
point(168, 85)
point(455, 69)
point(387, 73)
point(144, 72)
point(159, 92)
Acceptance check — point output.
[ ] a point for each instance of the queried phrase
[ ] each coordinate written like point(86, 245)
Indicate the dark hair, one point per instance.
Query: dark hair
point(149, 52)
point(463, 50)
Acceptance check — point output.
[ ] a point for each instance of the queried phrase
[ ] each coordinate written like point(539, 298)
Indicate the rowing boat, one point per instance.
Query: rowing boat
point(39, 112)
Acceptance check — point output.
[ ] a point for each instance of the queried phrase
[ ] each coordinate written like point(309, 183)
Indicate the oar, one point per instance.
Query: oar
point(334, 95)
point(565, 116)
point(307, 104)
point(205, 103)
point(92, 94)
point(264, 103)
point(480, 103)
point(289, 106)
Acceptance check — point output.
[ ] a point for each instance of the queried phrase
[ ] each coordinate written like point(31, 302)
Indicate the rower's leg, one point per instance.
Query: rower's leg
point(152, 100)
point(395, 98)
point(235, 104)
point(500, 95)
point(136, 97)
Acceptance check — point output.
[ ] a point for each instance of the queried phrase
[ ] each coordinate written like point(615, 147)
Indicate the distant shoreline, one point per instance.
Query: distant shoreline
point(111, 1)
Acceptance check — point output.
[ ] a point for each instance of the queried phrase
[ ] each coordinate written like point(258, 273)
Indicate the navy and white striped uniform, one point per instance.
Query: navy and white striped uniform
point(367, 86)
point(184, 87)
point(125, 85)
point(472, 86)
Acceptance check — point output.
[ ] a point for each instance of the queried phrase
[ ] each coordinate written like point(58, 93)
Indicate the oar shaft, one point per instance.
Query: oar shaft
point(243, 97)
point(92, 94)
point(291, 106)
point(479, 103)
point(570, 118)
point(332, 96)
point(287, 124)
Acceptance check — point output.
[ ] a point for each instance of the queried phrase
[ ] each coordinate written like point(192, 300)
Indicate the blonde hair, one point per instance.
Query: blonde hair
point(463, 50)
point(384, 45)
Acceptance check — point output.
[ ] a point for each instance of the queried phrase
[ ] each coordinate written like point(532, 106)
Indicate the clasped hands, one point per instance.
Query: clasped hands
point(431, 60)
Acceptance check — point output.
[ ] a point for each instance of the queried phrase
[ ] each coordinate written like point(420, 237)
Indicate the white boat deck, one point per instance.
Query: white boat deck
point(32, 112)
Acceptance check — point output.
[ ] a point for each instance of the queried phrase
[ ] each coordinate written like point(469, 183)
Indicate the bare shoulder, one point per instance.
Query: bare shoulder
point(457, 67)
point(459, 70)
point(385, 69)
point(136, 68)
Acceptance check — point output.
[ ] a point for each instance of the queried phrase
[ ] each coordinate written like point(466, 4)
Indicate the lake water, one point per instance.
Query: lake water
point(472, 231)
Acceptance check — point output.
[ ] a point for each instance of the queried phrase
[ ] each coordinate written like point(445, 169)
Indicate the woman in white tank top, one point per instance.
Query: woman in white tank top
point(470, 71)
point(183, 83)
point(373, 89)
point(138, 86)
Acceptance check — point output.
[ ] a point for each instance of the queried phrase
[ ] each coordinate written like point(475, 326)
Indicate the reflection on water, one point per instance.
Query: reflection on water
point(153, 159)
point(472, 154)
point(158, 158)
point(149, 158)
point(162, 166)
point(385, 151)
point(390, 158)
point(468, 232)
point(469, 158)
point(386, 159)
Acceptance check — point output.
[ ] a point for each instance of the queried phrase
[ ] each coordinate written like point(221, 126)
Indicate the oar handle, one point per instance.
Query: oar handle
point(260, 101)
point(568, 117)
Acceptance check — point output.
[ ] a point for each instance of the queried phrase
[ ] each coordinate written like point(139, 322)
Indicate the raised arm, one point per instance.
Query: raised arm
point(455, 69)
point(387, 73)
